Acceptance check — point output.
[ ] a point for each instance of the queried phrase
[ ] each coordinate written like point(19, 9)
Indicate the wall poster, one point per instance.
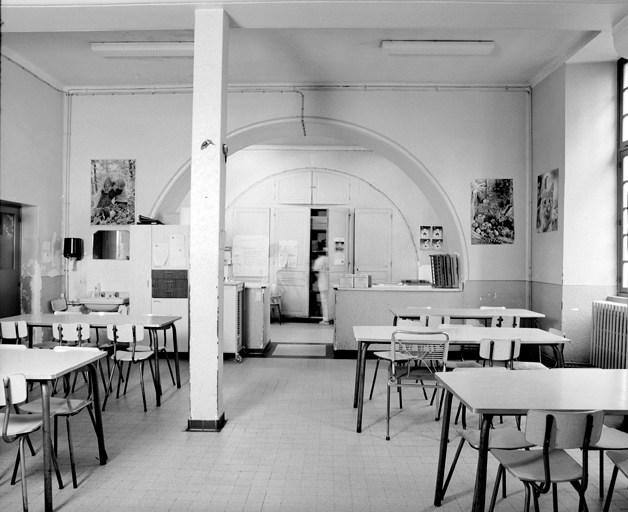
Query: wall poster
point(113, 192)
point(547, 202)
point(250, 255)
point(492, 212)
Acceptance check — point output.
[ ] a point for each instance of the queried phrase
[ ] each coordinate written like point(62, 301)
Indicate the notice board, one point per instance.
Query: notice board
point(250, 255)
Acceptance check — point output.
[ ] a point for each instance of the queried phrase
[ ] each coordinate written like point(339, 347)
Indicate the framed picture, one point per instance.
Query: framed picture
point(426, 232)
point(547, 202)
point(113, 192)
point(492, 212)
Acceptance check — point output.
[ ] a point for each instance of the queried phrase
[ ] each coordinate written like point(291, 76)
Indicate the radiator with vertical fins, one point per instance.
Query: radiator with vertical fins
point(609, 336)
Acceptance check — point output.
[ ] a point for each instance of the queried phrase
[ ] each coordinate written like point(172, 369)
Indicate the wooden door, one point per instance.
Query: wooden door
point(372, 243)
point(10, 264)
point(290, 257)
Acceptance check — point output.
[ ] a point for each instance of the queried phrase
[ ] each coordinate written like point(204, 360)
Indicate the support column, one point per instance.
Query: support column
point(207, 196)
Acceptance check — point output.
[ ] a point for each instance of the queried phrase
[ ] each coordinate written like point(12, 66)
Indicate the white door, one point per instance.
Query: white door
point(290, 257)
point(372, 243)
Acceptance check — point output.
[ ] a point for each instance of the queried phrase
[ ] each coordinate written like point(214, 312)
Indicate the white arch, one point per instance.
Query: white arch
point(257, 133)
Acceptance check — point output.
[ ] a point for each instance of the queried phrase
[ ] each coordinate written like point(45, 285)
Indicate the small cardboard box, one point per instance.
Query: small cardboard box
point(346, 281)
point(362, 281)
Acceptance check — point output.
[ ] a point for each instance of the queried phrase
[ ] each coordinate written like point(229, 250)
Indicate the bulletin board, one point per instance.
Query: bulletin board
point(250, 255)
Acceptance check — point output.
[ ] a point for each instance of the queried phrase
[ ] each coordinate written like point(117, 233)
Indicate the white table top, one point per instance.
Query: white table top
point(516, 392)
point(37, 364)
point(463, 334)
point(477, 313)
point(94, 320)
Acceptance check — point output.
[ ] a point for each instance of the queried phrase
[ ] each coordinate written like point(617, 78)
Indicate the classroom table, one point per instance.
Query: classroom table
point(464, 313)
point(44, 366)
point(150, 322)
point(515, 393)
point(458, 335)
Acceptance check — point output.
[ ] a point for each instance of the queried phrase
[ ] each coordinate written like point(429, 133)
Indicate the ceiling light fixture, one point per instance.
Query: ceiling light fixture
point(437, 47)
point(145, 49)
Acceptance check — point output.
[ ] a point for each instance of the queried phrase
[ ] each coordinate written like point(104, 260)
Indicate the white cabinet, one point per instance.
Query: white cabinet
point(232, 319)
point(160, 261)
point(175, 307)
point(256, 318)
point(312, 187)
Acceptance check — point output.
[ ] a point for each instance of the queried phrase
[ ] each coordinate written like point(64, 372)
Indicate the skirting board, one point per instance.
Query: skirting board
point(206, 425)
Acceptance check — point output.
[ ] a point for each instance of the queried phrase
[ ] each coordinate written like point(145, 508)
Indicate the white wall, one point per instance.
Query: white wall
point(590, 239)
point(31, 174)
point(573, 112)
point(155, 130)
point(548, 141)
point(591, 174)
point(451, 137)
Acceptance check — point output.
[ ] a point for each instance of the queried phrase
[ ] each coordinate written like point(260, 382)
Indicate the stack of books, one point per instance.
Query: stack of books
point(445, 270)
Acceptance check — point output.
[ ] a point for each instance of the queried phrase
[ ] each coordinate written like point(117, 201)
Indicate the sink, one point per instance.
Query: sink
point(103, 303)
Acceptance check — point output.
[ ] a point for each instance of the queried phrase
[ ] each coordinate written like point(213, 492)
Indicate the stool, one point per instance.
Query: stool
point(277, 308)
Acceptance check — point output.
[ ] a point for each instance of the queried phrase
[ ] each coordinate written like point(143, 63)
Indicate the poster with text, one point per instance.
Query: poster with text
point(113, 192)
point(492, 212)
point(547, 202)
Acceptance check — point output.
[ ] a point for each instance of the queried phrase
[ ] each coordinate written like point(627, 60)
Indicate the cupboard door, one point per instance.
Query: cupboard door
point(173, 241)
point(338, 248)
point(330, 188)
point(294, 188)
point(373, 242)
point(174, 307)
point(290, 255)
point(140, 258)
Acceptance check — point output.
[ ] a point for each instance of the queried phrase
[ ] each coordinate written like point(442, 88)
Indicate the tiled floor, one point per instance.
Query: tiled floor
point(289, 445)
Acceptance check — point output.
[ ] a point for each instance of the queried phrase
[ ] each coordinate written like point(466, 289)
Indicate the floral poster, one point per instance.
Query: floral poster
point(492, 212)
point(113, 192)
point(547, 202)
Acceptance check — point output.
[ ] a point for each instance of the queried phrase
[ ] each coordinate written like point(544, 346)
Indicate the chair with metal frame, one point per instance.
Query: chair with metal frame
point(128, 336)
point(620, 463)
point(415, 358)
point(17, 427)
point(66, 407)
point(14, 332)
point(506, 438)
point(541, 470)
point(405, 323)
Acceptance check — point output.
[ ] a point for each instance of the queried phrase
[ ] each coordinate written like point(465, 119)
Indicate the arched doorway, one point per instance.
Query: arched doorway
point(264, 131)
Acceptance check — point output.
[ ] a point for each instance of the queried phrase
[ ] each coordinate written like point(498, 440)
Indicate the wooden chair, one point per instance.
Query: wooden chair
point(73, 334)
point(128, 336)
point(66, 407)
point(507, 438)
point(17, 427)
point(14, 332)
point(620, 462)
point(541, 470)
point(415, 357)
point(275, 300)
point(610, 439)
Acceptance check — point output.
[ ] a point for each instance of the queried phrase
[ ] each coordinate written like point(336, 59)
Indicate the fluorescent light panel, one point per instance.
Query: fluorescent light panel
point(145, 49)
point(424, 47)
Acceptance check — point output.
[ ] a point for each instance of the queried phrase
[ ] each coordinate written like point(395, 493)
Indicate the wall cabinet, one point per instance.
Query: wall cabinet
point(314, 187)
